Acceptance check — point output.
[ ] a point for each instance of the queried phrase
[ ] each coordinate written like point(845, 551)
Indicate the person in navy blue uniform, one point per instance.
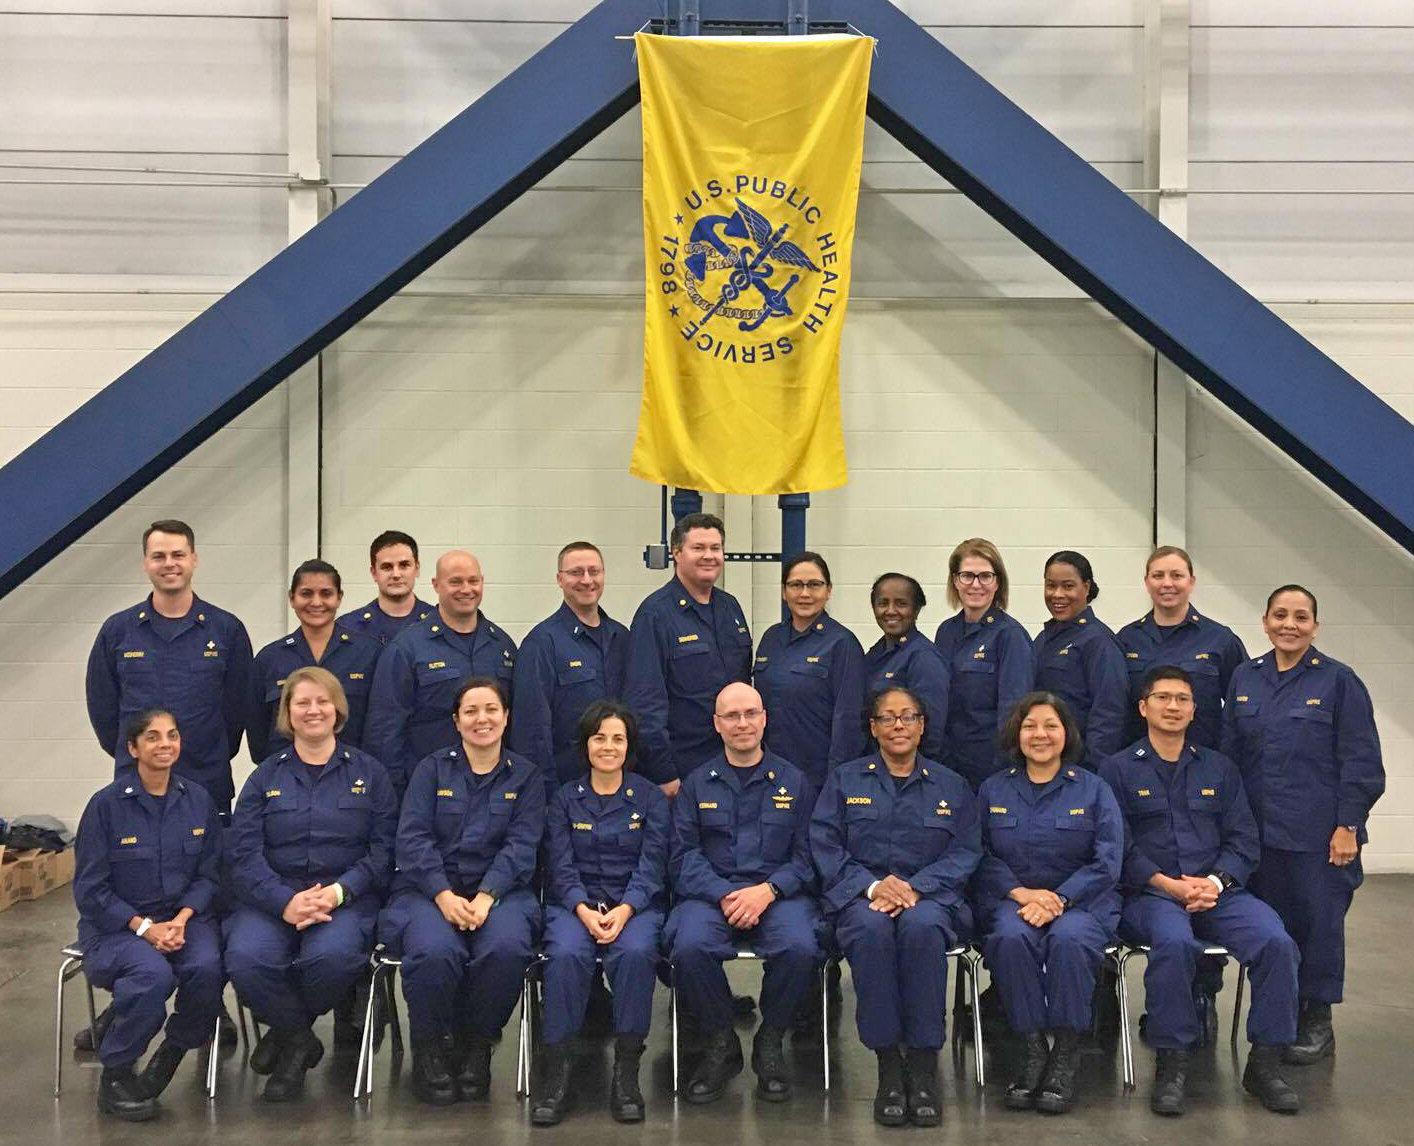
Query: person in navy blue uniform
point(315, 592)
point(147, 862)
point(1079, 659)
point(605, 896)
point(895, 839)
point(741, 869)
point(688, 640)
point(462, 915)
point(1047, 893)
point(179, 652)
point(393, 563)
point(574, 657)
point(308, 861)
point(420, 673)
point(1302, 730)
point(1191, 846)
point(988, 655)
point(904, 657)
point(1173, 633)
point(810, 674)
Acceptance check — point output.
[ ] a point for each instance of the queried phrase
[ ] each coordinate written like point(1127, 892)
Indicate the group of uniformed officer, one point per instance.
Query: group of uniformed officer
point(409, 703)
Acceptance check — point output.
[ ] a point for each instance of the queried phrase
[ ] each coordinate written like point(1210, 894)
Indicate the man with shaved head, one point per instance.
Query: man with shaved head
point(410, 707)
point(741, 868)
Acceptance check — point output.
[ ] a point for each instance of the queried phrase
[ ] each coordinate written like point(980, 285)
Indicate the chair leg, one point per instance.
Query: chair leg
point(974, 971)
point(245, 1034)
point(1237, 1003)
point(88, 994)
point(213, 1060)
point(673, 1009)
point(390, 998)
point(59, 1021)
point(365, 1044)
point(1126, 1046)
point(825, 1018)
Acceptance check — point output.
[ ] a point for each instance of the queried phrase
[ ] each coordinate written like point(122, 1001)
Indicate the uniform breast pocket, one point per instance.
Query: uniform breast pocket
point(272, 694)
point(691, 666)
point(447, 819)
point(135, 875)
point(137, 678)
point(1147, 805)
point(1001, 823)
point(857, 812)
point(499, 816)
point(357, 809)
point(976, 681)
point(777, 833)
point(357, 683)
point(441, 676)
point(192, 845)
point(575, 677)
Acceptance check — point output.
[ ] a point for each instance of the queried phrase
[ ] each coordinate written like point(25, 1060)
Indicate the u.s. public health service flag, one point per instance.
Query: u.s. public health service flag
point(751, 153)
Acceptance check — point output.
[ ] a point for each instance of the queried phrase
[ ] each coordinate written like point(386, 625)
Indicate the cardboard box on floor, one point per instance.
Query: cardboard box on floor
point(32, 873)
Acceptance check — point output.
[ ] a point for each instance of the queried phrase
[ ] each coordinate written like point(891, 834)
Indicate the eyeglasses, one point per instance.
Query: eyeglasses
point(968, 577)
point(799, 586)
point(576, 574)
point(889, 719)
point(1179, 698)
point(736, 716)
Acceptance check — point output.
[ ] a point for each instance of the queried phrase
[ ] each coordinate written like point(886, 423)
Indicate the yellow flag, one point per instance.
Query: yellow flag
point(751, 153)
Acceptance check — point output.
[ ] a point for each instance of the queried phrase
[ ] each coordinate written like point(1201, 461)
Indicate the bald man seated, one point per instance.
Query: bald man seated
point(740, 866)
point(410, 707)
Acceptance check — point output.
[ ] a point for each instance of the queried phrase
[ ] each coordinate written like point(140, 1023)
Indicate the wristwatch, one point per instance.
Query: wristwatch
point(776, 891)
point(1351, 828)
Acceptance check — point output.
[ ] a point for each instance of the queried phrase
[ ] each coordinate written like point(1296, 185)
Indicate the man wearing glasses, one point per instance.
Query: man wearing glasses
point(740, 866)
point(569, 660)
point(1191, 845)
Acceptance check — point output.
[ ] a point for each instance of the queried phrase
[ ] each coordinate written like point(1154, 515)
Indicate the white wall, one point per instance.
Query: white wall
point(493, 404)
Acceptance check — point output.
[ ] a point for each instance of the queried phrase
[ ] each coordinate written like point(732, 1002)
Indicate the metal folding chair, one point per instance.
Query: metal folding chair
point(385, 971)
point(1119, 959)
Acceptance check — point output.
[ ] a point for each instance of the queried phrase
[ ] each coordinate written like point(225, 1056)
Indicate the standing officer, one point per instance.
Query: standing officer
point(903, 657)
point(1190, 848)
point(419, 673)
point(315, 592)
point(688, 640)
point(741, 868)
point(147, 861)
point(1301, 727)
point(569, 660)
point(393, 562)
point(175, 651)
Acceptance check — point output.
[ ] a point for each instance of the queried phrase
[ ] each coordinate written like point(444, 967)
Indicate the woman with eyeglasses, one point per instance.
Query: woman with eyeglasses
point(904, 658)
point(1078, 657)
point(1301, 728)
point(895, 838)
point(989, 658)
point(810, 674)
point(1047, 893)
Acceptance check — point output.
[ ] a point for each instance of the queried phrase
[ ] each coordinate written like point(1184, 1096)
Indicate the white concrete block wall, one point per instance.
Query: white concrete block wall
point(995, 402)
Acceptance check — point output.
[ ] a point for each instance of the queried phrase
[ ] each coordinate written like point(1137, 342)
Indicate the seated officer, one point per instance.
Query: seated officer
point(606, 880)
point(741, 869)
point(308, 859)
point(1047, 892)
point(462, 913)
point(1190, 847)
point(574, 657)
point(895, 839)
point(421, 670)
point(147, 858)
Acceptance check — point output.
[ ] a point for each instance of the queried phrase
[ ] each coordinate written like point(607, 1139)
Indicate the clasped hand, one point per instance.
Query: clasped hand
point(604, 926)
point(312, 905)
point(462, 913)
point(745, 906)
point(1038, 905)
point(892, 896)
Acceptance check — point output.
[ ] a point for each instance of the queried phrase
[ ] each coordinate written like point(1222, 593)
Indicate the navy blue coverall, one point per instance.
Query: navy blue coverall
point(735, 828)
point(1192, 818)
point(1065, 836)
point(147, 856)
point(1080, 660)
point(199, 666)
point(914, 662)
point(925, 831)
point(465, 833)
point(604, 851)
point(681, 654)
point(293, 827)
point(991, 667)
point(1306, 743)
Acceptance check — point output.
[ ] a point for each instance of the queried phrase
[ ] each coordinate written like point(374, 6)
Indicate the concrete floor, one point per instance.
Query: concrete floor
point(1360, 1098)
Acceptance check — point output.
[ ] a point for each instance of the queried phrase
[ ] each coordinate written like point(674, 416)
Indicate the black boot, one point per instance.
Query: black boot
point(91, 1038)
point(432, 1080)
point(299, 1051)
point(266, 1052)
point(1104, 1005)
point(228, 1036)
point(768, 1060)
point(920, 1081)
point(743, 1007)
point(805, 1027)
point(1170, 1077)
point(625, 1099)
point(890, 1106)
point(1263, 1078)
point(349, 1015)
point(121, 1095)
point(554, 1097)
point(1315, 1037)
point(474, 1078)
point(720, 1063)
point(1205, 1006)
point(1021, 1094)
point(160, 1068)
point(1057, 1093)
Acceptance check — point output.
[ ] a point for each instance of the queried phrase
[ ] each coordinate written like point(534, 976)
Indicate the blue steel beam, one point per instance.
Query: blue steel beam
point(295, 305)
